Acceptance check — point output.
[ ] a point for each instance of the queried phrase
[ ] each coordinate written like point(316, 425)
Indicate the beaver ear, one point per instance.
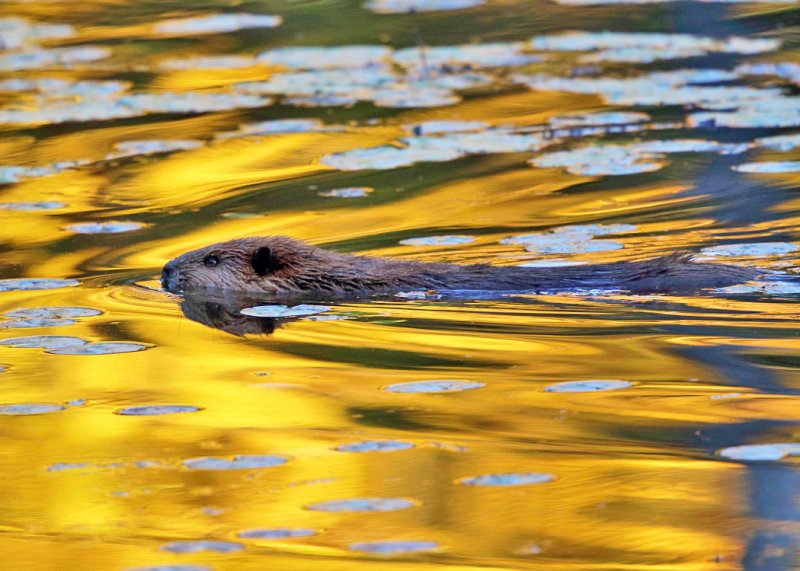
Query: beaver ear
point(264, 262)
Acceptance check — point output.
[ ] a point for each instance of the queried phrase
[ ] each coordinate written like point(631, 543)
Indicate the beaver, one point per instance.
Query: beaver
point(278, 265)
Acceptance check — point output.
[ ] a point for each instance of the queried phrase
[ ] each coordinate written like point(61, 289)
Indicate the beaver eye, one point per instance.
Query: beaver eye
point(210, 261)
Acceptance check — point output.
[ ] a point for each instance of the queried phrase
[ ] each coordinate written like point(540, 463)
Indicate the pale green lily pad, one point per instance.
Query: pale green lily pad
point(598, 118)
point(438, 241)
point(36, 283)
point(277, 533)
point(760, 452)
point(310, 57)
point(32, 206)
point(44, 341)
point(196, 546)
point(759, 250)
point(157, 409)
point(386, 157)
point(362, 505)
point(137, 148)
point(214, 24)
point(587, 386)
point(111, 227)
point(349, 192)
point(240, 462)
point(514, 479)
point(284, 311)
point(409, 6)
point(19, 32)
point(40, 58)
point(30, 408)
point(51, 312)
point(394, 547)
point(769, 167)
point(375, 446)
point(108, 348)
point(433, 387)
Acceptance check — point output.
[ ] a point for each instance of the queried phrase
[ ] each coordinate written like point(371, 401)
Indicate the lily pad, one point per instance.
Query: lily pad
point(437, 241)
point(309, 57)
point(104, 227)
point(759, 249)
point(41, 322)
point(587, 386)
point(769, 167)
point(195, 546)
point(51, 312)
point(409, 6)
point(276, 533)
point(375, 446)
point(214, 24)
point(760, 452)
point(156, 409)
point(44, 341)
point(362, 505)
point(30, 408)
point(106, 348)
point(392, 547)
point(433, 386)
point(514, 479)
point(240, 462)
point(283, 311)
point(386, 157)
point(44, 205)
point(349, 192)
point(36, 283)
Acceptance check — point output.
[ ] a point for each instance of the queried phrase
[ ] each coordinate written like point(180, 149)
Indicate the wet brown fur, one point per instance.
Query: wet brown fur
point(300, 268)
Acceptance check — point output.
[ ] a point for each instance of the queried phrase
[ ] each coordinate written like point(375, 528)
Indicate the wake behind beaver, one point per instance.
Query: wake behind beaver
point(283, 266)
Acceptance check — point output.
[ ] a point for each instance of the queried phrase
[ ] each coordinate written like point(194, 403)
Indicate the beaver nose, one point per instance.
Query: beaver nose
point(168, 271)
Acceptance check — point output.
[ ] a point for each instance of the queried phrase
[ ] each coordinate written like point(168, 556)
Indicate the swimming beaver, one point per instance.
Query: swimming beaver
point(283, 266)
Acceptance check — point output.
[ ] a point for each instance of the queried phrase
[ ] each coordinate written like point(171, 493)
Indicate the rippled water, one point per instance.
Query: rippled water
point(580, 430)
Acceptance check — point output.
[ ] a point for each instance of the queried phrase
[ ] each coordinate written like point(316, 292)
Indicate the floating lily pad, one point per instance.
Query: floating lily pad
point(100, 348)
point(437, 241)
point(67, 466)
point(760, 452)
point(763, 288)
point(44, 341)
point(240, 462)
point(138, 148)
point(39, 58)
point(598, 118)
point(375, 446)
point(275, 127)
point(386, 157)
point(195, 546)
point(480, 143)
point(36, 283)
point(104, 227)
point(779, 142)
point(520, 479)
point(759, 250)
point(433, 386)
point(309, 57)
point(156, 409)
point(321, 101)
point(55, 312)
point(43, 322)
point(173, 567)
point(283, 311)
point(391, 547)
point(30, 408)
point(362, 505)
point(552, 263)
point(769, 167)
point(406, 6)
point(587, 386)
point(19, 32)
point(215, 24)
point(276, 533)
point(350, 192)
point(445, 126)
point(473, 55)
point(44, 205)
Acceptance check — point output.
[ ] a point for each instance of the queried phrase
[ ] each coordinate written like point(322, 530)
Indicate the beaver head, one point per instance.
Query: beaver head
point(273, 265)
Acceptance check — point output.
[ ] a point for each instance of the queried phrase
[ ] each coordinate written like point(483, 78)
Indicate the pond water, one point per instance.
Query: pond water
point(573, 430)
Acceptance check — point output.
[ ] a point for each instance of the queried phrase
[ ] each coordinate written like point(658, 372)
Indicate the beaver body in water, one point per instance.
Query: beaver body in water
point(279, 265)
